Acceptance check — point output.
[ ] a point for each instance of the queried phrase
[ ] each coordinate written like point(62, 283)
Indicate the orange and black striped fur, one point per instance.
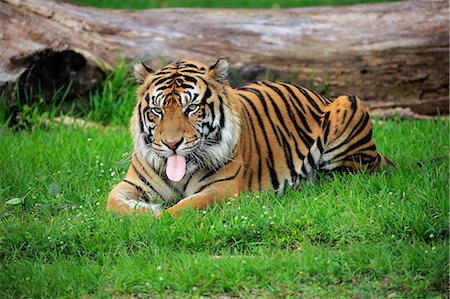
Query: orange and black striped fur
point(262, 136)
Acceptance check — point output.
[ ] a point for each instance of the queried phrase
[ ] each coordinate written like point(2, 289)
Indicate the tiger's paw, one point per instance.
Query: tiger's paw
point(144, 208)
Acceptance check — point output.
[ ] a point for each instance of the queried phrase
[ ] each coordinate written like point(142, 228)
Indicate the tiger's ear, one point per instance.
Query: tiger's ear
point(219, 70)
point(141, 71)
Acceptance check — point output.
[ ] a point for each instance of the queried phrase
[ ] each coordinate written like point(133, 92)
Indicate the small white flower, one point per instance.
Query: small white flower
point(431, 236)
point(161, 279)
point(89, 139)
point(101, 164)
point(159, 268)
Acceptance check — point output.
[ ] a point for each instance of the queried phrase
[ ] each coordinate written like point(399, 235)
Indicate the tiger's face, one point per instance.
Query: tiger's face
point(184, 119)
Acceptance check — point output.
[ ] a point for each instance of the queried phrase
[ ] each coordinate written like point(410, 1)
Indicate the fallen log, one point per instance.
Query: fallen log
point(396, 54)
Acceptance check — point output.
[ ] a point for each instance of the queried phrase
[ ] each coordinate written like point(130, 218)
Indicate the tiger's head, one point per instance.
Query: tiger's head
point(186, 117)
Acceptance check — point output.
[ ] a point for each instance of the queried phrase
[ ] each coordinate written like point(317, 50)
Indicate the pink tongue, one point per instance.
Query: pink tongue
point(176, 167)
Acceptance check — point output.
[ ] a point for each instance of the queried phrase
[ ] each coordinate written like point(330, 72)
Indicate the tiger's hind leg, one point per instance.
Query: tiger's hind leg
point(345, 142)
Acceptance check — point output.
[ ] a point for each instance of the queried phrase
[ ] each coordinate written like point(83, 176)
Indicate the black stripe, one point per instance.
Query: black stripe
point(191, 71)
point(190, 79)
point(359, 143)
point(288, 156)
point(190, 65)
point(266, 110)
point(220, 180)
point(322, 98)
point(261, 124)
point(310, 159)
point(344, 117)
point(210, 173)
point(294, 96)
point(206, 96)
point(306, 139)
point(164, 79)
point(352, 100)
point(319, 145)
point(258, 150)
point(142, 178)
point(326, 129)
point(139, 189)
point(297, 150)
point(276, 108)
point(141, 122)
point(186, 86)
point(163, 72)
point(222, 113)
point(360, 126)
point(312, 101)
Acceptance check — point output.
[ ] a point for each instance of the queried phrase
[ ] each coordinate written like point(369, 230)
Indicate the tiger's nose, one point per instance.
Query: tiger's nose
point(173, 144)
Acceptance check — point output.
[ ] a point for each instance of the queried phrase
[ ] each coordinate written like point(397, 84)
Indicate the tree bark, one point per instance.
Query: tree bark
point(389, 54)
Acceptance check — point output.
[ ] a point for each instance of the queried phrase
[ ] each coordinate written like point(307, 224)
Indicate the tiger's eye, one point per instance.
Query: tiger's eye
point(192, 108)
point(157, 110)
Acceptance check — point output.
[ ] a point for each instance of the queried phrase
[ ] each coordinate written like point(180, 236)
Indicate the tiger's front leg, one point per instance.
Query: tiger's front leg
point(215, 193)
point(128, 197)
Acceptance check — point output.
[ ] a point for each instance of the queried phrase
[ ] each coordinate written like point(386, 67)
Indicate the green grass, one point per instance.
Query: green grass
point(354, 235)
point(145, 4)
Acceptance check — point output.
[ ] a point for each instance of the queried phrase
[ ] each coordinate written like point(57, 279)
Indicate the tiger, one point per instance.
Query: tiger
point(198, 141)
